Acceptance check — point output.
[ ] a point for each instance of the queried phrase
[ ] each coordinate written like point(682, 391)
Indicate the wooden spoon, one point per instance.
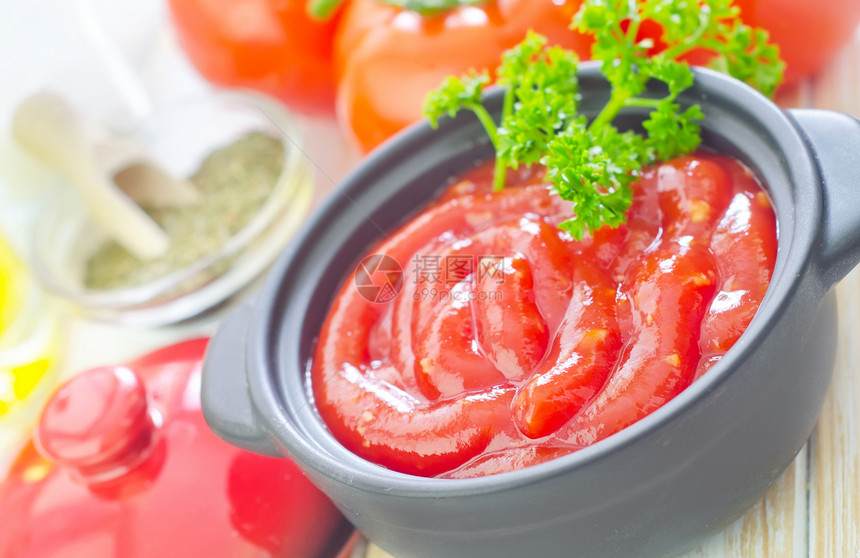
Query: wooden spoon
point(140, 177)
point(49, 129)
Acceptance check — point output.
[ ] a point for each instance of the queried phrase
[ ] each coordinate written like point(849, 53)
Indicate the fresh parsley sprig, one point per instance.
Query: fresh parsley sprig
point(592, 164)
point(543, 95)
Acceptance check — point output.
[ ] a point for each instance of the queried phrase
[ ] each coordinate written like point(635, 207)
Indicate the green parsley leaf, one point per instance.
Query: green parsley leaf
point(592, 164)
point(455, 94)
point(751, 59)
point(544, 95)
point(671, 132)
point(594, 174)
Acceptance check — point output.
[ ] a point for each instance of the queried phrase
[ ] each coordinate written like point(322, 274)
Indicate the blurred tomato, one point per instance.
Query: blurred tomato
point(808, 32)
point(387, 58)
point(271, 46)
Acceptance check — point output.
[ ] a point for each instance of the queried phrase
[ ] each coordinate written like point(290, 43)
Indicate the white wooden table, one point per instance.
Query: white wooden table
point(812, 511)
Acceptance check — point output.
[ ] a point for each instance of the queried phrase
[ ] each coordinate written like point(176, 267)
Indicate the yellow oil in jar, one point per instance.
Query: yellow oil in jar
point(29, 346)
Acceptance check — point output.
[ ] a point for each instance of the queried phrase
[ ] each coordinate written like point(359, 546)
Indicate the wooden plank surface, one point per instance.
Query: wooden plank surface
point(774, 527)
point(834, 529)
point(835, 464)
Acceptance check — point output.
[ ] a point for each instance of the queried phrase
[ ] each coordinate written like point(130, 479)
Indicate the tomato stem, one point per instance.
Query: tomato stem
point(323, 9)
point(430, 7)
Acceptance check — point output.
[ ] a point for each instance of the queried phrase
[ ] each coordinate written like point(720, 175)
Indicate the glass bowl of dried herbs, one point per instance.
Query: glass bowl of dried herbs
point(243, 156)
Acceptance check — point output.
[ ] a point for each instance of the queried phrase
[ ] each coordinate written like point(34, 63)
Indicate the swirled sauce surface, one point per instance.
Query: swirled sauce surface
point(481, 338)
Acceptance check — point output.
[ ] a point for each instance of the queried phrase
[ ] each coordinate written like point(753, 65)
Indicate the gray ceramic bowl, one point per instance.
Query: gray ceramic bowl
point(654, 489)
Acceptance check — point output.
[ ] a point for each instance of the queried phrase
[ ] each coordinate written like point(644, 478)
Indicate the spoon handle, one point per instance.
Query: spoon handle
point(47, 127)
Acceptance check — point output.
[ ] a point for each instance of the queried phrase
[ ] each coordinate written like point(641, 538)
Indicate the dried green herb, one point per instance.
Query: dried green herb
point(234, 182)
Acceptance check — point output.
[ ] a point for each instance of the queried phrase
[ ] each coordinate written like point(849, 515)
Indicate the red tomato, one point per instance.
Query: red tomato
point(387, 59)
point(271, 46)
point(808, 33)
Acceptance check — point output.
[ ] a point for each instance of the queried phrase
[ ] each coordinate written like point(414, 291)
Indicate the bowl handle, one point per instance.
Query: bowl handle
point(225, 397)
point(835, 140)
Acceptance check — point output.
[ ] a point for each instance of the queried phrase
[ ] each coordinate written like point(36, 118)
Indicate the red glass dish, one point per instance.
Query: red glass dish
point(123, 465)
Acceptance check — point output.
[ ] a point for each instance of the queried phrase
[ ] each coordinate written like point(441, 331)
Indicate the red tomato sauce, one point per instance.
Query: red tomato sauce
point(509, 343)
